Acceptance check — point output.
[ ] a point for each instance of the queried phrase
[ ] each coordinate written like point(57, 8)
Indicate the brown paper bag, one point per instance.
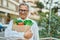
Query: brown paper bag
point(22, 28)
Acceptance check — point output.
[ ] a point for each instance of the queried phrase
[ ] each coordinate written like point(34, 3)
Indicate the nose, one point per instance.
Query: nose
point(23, 12)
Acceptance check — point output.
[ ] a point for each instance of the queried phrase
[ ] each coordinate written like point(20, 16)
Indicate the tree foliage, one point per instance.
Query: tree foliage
point(40, 5)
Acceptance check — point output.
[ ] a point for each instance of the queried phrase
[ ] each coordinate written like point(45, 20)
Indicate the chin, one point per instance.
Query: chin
point(23, 17)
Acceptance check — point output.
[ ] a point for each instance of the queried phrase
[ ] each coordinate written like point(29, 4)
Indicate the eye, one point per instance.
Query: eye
point(23, 10)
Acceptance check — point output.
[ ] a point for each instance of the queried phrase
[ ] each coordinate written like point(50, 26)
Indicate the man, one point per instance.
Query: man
point(32, 34)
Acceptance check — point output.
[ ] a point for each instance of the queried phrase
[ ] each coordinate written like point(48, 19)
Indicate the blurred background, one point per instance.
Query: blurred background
point(45, 12)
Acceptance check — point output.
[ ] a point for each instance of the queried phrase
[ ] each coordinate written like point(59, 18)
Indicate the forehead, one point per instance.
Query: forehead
point(23, 7)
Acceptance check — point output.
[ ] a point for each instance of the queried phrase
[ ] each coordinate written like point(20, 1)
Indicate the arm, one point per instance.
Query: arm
point(35, 32)
point(8, 29)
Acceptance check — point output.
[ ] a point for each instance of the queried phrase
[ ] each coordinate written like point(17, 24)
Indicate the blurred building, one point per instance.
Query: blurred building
point(9, 9)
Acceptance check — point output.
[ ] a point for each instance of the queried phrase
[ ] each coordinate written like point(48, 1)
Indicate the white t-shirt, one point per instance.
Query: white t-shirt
point(10, 33)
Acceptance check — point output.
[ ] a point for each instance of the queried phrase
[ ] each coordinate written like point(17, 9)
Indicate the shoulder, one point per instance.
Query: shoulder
point(11, 21)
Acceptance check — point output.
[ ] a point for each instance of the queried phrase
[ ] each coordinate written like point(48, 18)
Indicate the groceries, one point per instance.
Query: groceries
point(21, 26)
point(26, 22)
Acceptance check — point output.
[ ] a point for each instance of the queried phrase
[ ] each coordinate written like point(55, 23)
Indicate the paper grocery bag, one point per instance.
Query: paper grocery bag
point(22, 28)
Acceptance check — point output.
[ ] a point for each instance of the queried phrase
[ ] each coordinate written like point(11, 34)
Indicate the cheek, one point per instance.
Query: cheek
point(26, 14)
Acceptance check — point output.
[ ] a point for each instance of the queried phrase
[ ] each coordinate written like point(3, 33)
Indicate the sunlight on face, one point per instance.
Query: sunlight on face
point(23, 11)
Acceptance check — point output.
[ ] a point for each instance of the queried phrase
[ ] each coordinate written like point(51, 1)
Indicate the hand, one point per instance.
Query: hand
point(28, 34)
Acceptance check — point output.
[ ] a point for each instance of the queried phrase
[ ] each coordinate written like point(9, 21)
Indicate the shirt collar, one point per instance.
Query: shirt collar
point(22, 19)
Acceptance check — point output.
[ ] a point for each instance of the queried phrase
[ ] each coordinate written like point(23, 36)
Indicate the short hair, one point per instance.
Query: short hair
point(24, 4)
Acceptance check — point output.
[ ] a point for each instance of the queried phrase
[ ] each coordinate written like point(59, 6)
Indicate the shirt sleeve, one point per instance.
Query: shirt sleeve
point(8, 29)
point(35, 31)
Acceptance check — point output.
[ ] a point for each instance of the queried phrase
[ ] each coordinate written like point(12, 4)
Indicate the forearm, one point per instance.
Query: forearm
point(36, 35)
point(7, 33)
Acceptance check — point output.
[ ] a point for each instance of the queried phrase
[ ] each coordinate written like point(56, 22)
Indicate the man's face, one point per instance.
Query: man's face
point(23, 11)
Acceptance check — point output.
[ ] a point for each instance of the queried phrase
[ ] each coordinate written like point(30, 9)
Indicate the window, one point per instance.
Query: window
point(4, 3)
point(12, 6)
point(0, 2)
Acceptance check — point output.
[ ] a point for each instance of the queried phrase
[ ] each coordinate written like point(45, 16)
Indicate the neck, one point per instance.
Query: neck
point(23, 18)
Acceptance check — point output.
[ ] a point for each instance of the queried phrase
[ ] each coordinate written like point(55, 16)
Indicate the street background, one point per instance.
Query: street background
point(45, 12)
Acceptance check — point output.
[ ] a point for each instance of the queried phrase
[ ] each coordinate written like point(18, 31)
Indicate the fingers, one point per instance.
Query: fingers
point(28, 34)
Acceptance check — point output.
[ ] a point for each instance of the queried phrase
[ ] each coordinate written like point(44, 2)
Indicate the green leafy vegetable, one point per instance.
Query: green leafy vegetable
point(28, 22)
